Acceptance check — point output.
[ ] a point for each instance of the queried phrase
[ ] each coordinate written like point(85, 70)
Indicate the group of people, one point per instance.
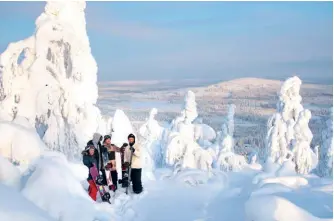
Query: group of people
point(103, 156)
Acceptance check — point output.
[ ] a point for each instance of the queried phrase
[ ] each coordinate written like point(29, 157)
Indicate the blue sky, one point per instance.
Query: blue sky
point(218, 40)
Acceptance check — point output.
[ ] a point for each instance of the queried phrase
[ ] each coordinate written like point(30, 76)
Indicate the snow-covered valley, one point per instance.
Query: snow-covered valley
point(242, 150)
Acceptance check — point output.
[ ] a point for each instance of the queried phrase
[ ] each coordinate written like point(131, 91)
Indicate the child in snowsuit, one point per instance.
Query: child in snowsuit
point(89, 160)
point(135, 164)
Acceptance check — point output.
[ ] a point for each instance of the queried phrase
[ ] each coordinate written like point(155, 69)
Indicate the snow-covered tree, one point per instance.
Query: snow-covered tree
point(325, 167)
point(276, 139)
point(151, 133)
point(227, 159)
point(190, 106)
point(230, 119)
point(204, 134)
point(303, 153)
point(53, 85)
point(177, 120)
point(281, 125)
point(181, 144)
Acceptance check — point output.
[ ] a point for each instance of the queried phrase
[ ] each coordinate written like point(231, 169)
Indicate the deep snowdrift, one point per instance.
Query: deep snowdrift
point(51, 184)
point(19, 142)
point(9, 174)
point(15, 207)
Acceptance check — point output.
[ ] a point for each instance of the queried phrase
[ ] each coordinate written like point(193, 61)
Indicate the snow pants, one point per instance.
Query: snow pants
point(114, 178)
point(136, 180)
point(92, 190)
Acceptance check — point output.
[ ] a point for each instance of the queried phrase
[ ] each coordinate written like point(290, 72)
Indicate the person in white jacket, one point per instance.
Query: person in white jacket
point(135, 164)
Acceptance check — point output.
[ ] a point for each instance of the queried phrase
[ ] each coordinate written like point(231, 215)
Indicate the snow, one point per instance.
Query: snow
point(190, 171)
point(227, 159)
point(151, 152)
point(9, 174)
point(190, 106)
point(63, 188)
point(56, 189)
point(15, 207)
point(289, 136)
point(121, 127)
point(325, 167)
point(181, 147)
point(20, 144)
point(301, 146)
point(277, 208)
point(54, 87)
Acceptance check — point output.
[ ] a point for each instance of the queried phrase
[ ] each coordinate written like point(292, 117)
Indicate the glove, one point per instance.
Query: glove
point(124, 145)
point(132, 149)
point(126, 164)
point(108, 166)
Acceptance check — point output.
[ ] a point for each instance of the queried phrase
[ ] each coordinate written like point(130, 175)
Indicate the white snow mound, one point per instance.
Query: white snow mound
point(273, 208)
point(9, 174)
point(53, 187)
point(289, 181)
point(15, 207)
point(122, 127)
point(19, 143)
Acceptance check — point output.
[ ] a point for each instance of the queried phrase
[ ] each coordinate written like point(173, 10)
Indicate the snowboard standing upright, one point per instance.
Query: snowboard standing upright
point(129, 174)
point(124, 180)
point(98, 179)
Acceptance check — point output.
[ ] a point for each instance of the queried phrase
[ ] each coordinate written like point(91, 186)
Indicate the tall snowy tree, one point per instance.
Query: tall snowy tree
point(190, 106)
point(230, 119)
point(325, 167)
point(151, 133)
point(227, 159)
point(54, 84)
point(281, 125)
point(182, 149)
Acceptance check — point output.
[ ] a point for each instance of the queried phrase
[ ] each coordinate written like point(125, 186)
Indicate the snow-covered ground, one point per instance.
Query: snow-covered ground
point(230, 196)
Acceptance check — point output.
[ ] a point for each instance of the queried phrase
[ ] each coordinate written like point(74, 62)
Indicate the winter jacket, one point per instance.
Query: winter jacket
point(136, 161)
point(112, 160)
point(101, 150)
point(113, 150)
point(88, 161)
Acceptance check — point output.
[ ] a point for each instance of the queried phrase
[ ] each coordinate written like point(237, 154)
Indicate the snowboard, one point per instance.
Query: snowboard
point(124, 180)
point(129, 174)
point(98, 179)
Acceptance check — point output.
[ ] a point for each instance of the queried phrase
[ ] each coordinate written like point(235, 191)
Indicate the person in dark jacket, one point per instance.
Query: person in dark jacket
point(89, 160)
point(100, 151)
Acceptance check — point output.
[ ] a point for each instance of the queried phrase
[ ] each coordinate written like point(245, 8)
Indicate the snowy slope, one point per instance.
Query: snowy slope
point(15, 207)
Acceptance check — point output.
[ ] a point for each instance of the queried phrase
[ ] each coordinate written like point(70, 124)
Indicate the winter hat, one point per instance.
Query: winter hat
point(89, 147)
point(96, 138)
point(131, 135)
point(134, 138)
point(106, 137)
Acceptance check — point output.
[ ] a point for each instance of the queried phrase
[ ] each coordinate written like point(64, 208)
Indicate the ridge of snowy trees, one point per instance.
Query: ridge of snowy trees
point(188, 143)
